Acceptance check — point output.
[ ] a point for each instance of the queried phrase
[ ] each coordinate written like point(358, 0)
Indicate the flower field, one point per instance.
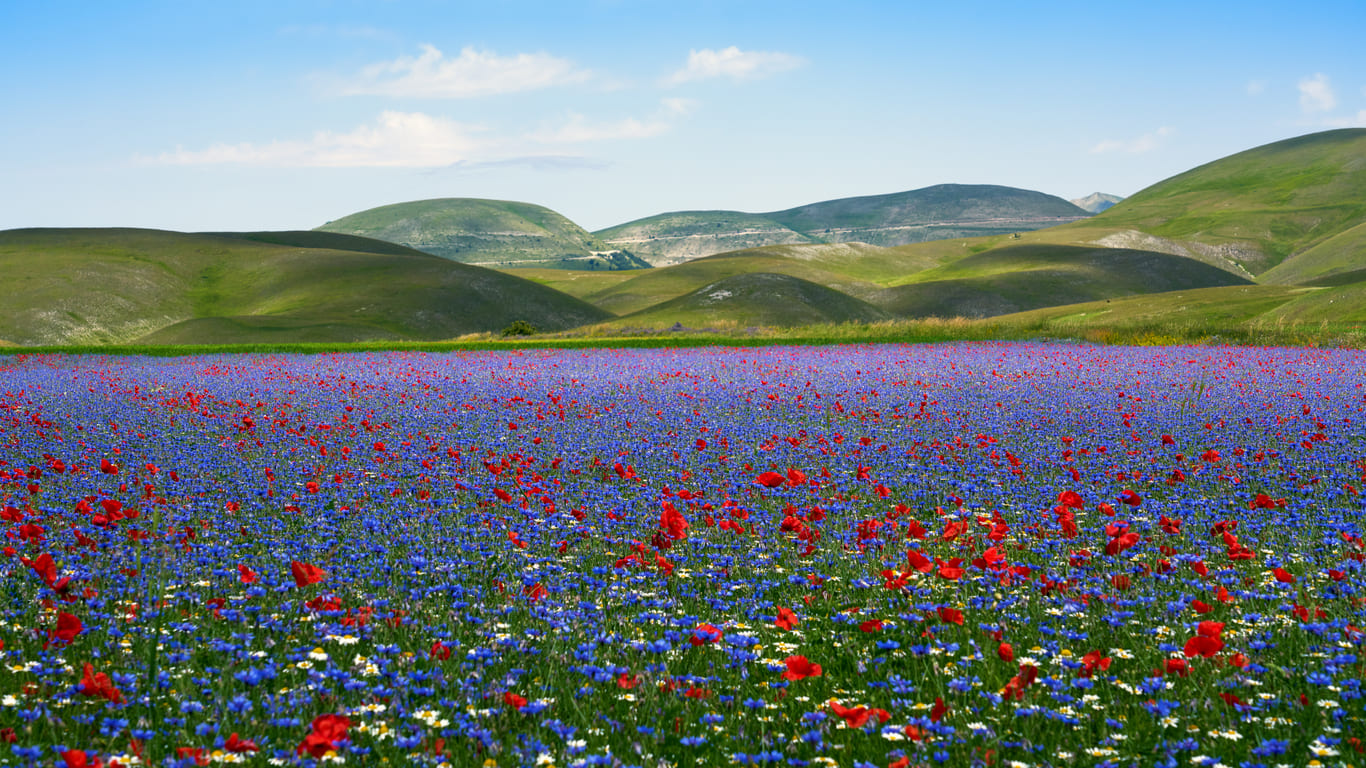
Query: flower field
point(974, 554)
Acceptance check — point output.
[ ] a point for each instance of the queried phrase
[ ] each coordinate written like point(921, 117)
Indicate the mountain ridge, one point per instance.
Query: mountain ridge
point(938, 212)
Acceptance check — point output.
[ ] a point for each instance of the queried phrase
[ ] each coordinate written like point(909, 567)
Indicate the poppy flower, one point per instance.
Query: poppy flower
point(306, 573)
point(98, 684)
point(246, 575)
point(68, 626)
point(705, 634)
point(871, 625)
point(939, 710)
point(326, 731)
point(800, 668)
point(770, 479)
point(239, 745)
point(1130, 497)
point(513, 700)
point(1005, 652)
point(950, 615)
point(857, 717)
point(785, 619)
point(1283, 576)
point(795, 477)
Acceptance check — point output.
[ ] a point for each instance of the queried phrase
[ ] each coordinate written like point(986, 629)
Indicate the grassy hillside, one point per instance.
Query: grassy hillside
point(486, 233)
point(757, 299)
point(1257, 208)
point(647, 288)
point(101, 286)
point(934, 213)
point(1019, 278)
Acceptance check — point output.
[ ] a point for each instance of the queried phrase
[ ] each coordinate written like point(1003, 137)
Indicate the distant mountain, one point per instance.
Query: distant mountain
point(1096, 202)
point(940, 212)
point(110, 286)
point(488, 233)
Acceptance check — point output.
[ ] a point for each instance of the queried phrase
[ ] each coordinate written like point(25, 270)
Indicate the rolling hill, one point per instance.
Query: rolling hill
point(1248, 212)
point(103, 286)
point(940, 212)
point(486, 233)
point(758, 299)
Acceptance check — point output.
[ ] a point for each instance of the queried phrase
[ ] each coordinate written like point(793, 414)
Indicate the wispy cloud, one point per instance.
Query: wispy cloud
point(1316, 94)
point(433, 75)
point(1145, 143)
point(577, 129)
point(418, 140)
point(1255, 87)
point(733, 63)
point(395, 139)
point(1353, 121)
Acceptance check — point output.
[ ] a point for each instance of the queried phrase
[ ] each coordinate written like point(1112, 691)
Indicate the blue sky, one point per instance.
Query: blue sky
point(284, 114)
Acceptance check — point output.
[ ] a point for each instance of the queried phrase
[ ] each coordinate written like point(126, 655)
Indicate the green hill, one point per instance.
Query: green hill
point(490, 233)
point(1024, 277)
point(100, 286)
point(940, 212)
point(757, 299)
point(1253, 210)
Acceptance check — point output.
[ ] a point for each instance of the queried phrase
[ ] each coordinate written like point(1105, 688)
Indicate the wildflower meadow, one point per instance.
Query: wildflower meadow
point(882, 555)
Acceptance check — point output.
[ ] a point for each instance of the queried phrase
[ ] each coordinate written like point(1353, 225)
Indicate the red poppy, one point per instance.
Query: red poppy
point(705, 634)
point(1207, 641)
point(1071, 499)
point(239, 745)
point(108, 467)
point(246, 575)
point(327, 730)
point(306, 573)
point(939, 710)
point(800, 668)
point(98, 684)
point(1005, 652)
point(1130, 497)
point(953, 569)
point(1283, 576)
point(76, 758)
point(770, 479)
point(513, 700)
point(856, 717)
point(627, 681)
point(918, 561)
point(68, 626)
point(195, 754)
point(871, 625)
point(950, 615)
point(785, 619)
point(795, 477)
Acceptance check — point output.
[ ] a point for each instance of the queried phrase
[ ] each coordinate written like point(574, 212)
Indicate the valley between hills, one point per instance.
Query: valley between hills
point(1273, 235)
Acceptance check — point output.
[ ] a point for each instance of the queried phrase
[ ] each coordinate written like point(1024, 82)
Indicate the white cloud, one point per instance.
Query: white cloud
point(733, 63)
point(395, 139)
point(1145, 143)
point(473, 73)
point(418, 140)
point(577, 129)
point(1316, 94)
point(1355, 121)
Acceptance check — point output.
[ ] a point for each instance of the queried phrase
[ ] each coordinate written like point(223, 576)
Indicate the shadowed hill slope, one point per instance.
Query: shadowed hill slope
point(97, 286)
point(758, 299)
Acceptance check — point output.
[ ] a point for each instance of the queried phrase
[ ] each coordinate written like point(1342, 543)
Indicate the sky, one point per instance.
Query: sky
point(286, 114)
